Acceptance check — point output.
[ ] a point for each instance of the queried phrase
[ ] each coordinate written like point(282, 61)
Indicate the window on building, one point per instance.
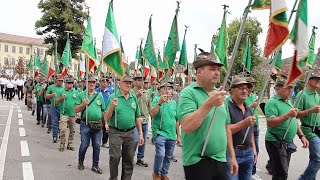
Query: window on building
point(20, 50)
point(27, 50)
point(13, 49)
point(13, 61)
point(6, 61)
point(6, 48)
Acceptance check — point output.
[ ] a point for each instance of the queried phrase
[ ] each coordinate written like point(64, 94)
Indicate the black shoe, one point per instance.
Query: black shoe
point(49, 130)
point(54, 139)
point(268, 167)
point(38, 122)
point(140, 162)
point(32, 113)
point(80, 165)
point(173, 159)
point(96, 169)
point(42, 124)
point(61, 148)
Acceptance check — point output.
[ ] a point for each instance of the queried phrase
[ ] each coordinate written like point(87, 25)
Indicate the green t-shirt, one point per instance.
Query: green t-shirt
point(190, 99)
point(67, 105)
point(53, 88)
point(250, 99)
point(278, 107)
point(309, 100)
point(144, 103)
point(127, 111)
point(38, 88)
point(169, 119)
point(96, 108)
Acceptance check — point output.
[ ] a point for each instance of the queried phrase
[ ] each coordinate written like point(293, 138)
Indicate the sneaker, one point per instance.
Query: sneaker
point(70, 147)
point(80, 165)
point(256, 177)
point(54, 139)
point(105, 145)
point(96, 169)
point(61, 148)
point(141, 162)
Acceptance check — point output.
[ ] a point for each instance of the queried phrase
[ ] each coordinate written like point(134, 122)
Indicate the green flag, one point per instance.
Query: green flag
point(66, 56)
point(183, 60)
point(30, 65)
point(88, 45)
point(148, 51)
point(246, 59)
point(124, 59)
point(36, 60)
point(311, 57)
point(222, 44)
point(261, 4)
point(212, 50)
point(111, 51)
point(279, 59)
point(173, 44)
point(44, 67)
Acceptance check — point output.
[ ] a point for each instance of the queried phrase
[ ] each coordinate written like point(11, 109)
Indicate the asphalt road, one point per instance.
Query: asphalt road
point(27, 152)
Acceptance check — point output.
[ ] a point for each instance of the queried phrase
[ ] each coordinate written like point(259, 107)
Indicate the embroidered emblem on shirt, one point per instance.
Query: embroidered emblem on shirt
point(74, 95)
point(98, 102)
point(133, 105)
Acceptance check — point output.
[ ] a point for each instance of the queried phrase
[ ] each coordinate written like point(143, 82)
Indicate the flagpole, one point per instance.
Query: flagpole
point(237, 43)
point(266, 78)
point(87, 87)
point(115, 109)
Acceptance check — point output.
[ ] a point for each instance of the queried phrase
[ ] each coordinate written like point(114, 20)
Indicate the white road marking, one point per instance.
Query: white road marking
point(20, 122)
point(3, 115)
point(19, 110)
point(22, 132)
point(14, 104)
point(24, 148)
point(19, 115)
point(4, 144)
point(27, 171)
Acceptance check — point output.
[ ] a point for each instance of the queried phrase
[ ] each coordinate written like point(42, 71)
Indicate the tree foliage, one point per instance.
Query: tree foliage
point(253, 28)
point(59, 16)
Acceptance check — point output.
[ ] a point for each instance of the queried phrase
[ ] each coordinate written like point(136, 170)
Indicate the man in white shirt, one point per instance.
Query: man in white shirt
point(20, 83)
point(9, 89)
point(3, 81)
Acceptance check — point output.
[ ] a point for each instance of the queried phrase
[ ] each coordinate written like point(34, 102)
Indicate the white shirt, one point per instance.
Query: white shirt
point(9, 84)
point(20, 82)
point(3, 81)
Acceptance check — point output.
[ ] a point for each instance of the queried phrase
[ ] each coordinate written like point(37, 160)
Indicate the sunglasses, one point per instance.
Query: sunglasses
point(69, 82)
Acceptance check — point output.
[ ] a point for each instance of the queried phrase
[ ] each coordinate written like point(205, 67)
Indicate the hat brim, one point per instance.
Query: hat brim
point(139, 77)
point(241, 82)
point(314, 77)
point(200, 63)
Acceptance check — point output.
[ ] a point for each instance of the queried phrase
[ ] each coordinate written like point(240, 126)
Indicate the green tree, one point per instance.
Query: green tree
point(253, 28)
point(59, 16)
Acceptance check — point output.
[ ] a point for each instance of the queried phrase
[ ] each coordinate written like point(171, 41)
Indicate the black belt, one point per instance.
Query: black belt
point(242, 147)
point(122, 130)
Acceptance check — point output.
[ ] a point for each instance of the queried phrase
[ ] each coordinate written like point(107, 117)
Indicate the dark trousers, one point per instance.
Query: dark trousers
point(39, 110)
point(105, 135)
point(2, 90)
point(206, 169)
point(280, 160)
point(9, 93)
point(20, 93)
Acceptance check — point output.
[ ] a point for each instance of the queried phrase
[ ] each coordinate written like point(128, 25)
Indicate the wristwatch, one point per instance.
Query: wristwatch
point(159, 104)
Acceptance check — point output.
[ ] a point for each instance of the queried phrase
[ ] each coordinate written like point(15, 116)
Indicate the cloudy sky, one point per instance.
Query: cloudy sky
point(203, 16)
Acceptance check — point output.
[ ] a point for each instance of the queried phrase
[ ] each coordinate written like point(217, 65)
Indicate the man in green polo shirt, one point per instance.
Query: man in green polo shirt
point(279, 111)
point(144, 105)
point(91, 126)
point(122, 116)
point(66, 100)
point(197, 103)
point(38, 91)
point(309, 107)
point(54, 110)
point(164, 130)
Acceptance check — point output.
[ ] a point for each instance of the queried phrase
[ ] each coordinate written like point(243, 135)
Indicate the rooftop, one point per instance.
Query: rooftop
point(21, 39)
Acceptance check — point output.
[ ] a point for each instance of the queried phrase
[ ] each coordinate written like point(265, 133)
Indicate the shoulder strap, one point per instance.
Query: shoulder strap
point(89, 104)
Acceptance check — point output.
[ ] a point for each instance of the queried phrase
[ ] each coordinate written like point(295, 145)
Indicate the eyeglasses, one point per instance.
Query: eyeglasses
point(92, 82)
point(69, 82)
point(242, 88)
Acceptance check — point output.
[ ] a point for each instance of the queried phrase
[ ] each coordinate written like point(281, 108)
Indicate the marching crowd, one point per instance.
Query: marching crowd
point(116, 116)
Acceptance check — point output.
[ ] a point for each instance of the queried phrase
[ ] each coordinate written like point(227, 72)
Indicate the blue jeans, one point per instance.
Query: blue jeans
point(46, 115)
point(256, 141)
point(164, 152)
point(142, 148)
point(314, 159)
point(86, 135)
point(55, 118)
point(245, 161)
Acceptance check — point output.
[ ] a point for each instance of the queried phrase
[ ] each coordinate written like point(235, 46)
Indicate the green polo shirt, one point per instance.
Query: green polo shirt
point(309, 100)
point(38, 88)
point(127, 111)
point(278, 107)
point(53, 88)
point(96, 108)
point(67, 105)
point(169, 119)
point(144, 103)
point(190, 99)
point(251, 99)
